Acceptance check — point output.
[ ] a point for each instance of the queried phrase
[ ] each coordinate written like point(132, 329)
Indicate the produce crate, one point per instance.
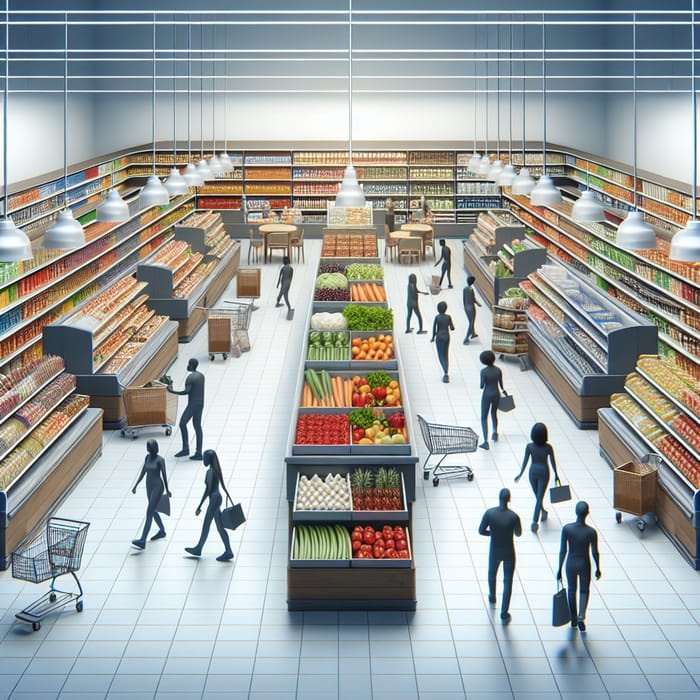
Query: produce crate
point(385, 563)
point(385, 516)
point(634, 488)
point(316, 563)
point(383, 449)
point(300, 515)
point(364, 366)
point(149, 405)
point(346, 377)
point(322, 449)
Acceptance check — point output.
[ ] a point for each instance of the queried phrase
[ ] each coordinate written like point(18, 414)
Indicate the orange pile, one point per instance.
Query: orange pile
point(379, 348)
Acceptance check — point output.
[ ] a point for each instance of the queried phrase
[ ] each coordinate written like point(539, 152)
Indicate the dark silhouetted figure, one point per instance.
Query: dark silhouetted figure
point(539, 451)
point(470, 303)
point(580, 540)
point(194, 390)
point(491, 379)
point(446, 260)
point(212, 480)
point(284, 282)
point(412, 304)
point(442, 325)
point(501, 524)
point(156, 484)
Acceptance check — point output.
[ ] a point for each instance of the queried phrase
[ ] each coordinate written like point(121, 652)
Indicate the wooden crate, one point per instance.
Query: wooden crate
point(149, 405)
point(219, 333)
point(634, 488)
point(248, 283)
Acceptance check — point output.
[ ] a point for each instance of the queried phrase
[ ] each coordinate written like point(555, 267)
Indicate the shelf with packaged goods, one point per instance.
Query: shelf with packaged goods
point(677, 502)
point(666, 297)
point(509, 330)
point(48, 478)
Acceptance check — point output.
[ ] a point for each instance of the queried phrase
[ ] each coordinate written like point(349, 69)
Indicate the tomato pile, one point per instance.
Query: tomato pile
point(387, 543)
point(323, 429)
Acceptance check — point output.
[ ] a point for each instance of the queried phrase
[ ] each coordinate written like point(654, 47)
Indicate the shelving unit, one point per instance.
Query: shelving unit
point(509, 332)
point(581, 343)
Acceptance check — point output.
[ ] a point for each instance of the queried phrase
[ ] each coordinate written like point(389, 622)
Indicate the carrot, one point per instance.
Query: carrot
point(337, 393)
point(305, 395)
point(314, 402)
point(378, 292)
point(367, 292)
point(348, 392)
point(360, 295)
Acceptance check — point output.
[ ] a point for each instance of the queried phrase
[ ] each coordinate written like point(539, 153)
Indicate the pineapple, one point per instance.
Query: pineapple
point(394, 486)
point(361, 483)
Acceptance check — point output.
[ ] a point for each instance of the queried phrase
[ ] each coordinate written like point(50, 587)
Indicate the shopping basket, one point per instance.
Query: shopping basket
point(228, 329)
point(149, 406)
point(634, 489)
point(447, 440)
point(52, 553)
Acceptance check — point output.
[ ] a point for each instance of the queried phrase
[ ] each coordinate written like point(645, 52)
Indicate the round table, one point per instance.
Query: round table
point(266, 229)
point(424, 230)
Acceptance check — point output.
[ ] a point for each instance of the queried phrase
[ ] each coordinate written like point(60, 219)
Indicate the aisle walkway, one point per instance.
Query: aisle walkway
point(158, 624)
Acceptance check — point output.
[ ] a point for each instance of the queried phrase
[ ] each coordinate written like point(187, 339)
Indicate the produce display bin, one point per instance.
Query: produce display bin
point(634, 488)
point(384, 516)
point(310, 516)
point(314, 563)
point(385, 563)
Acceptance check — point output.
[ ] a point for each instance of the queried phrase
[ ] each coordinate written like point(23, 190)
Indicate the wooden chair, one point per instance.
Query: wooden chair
point(410, 249)
point(255, 245)
point(429, 242)
point(297, 244)
point(277, 241)
point(391, 244)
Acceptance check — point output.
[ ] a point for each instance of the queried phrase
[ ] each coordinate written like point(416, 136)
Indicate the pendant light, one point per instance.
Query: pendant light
point(524, 182)
point(154, 193)
point(175, 184)
point(587, 207)
point(65, 233)
point(350, 193)
point(505, 179)
point(497, 166)
point(190, 174)
point(685, 245)
point(214, 163)
point(202, 166)
point(634, 233)
point(224, 158)
point(544, 194)
point(473, 165)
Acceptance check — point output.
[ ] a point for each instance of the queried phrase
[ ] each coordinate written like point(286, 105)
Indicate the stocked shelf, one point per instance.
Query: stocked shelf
point(509, 332)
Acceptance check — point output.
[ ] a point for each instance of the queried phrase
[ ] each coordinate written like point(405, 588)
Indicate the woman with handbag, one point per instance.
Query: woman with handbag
point(442, 325)
point(156, 484)
point(213, 480)
point(491, 380)
point(539, 451)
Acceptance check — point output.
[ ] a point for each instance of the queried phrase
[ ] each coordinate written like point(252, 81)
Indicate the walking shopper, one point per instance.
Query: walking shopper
point(501, 524)
point(469, 301)
point(194, 390)
point(539, 451)
point(442, 325)
point(491, 379)
point(284, 282)
point(156, 484)
point(580, 540)
point(446, 260)
point(212, 480)
point(412, 305)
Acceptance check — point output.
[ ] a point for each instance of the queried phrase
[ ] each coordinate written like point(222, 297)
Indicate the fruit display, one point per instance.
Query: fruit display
point(368, 292)
point(380, 490)
point(368, 318)
point(329, 542)
point(329, 493)
point(378, 348)
point(372, 427)
point(322, 429)
point(322, 389)
point(386, 542)
point(364, 271)
point(349, 245)
point(328, 345)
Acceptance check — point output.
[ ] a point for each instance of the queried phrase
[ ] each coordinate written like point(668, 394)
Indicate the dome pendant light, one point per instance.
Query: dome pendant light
point(154, 193)
point(544, 193)
point(507, 175)
point(113, 208)
point(14, 243)
point(634, 233)
point(524, 182)
point(350, 193)
point(587, 208)
point(685, 245)
point(65, 233)
point(175, 184)
point(190, 174)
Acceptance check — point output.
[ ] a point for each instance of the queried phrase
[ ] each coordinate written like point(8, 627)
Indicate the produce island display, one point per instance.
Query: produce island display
point(349, 523)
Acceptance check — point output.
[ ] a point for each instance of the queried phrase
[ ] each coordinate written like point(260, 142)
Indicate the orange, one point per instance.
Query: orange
point(389, 339)
point(379, 355)
point(355, 351)
point(357, 341)
point(362, 355)
point(383, 346)
point(372, 340)
point(364, 347)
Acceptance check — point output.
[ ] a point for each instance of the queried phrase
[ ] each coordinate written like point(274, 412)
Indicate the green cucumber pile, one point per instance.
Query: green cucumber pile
point(322, 542)
point(328, 345)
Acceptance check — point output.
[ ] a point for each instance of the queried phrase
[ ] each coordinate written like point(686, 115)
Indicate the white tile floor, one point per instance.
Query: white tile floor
point(158, 624)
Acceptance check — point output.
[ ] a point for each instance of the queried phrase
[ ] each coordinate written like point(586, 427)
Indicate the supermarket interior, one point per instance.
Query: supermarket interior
point(369, 231)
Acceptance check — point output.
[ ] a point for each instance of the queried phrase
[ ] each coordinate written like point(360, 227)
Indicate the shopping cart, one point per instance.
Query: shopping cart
point(634, 490)
point(51, 554)
point(148, 406)
point(447, 440)
point(228, 329)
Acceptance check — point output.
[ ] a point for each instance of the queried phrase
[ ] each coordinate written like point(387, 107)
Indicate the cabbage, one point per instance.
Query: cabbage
point(327, 321)
point(331, 280)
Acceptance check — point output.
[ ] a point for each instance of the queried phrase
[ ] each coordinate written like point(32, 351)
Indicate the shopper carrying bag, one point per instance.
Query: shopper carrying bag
point(561, 615)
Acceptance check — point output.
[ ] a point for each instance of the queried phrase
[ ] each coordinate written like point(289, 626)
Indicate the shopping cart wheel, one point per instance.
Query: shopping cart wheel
point(426, 475)
point(211, 357)
point(52, 597)
point(36, 626)
point(470, 476)
point(225, 356)
point(123, 432)
point(168, 431)
point(436, 481)
point(641, 524)
point(618, 517)
point(79, 606)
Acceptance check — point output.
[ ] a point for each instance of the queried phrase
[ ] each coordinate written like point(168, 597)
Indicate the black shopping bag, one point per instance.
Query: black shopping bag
point(506, 403)
point(560, 493)
point(163, 504)
point(233, 517)
point(561, 614)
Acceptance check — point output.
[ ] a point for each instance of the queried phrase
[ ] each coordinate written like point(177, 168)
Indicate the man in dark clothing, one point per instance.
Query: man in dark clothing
point(501, 524)
point(194, 390)
point(446, 260)
point(579, 539)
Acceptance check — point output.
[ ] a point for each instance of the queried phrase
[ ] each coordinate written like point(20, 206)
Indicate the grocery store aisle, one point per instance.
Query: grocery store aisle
point(158, 624)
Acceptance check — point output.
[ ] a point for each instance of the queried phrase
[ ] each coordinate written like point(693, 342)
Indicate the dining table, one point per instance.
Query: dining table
point(425, 231)
point(266, 229)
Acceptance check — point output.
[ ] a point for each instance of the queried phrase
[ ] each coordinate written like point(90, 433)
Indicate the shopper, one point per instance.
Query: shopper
point(446, 260)
point(284, 281)
point(469, 301)
point(442, 325)
point(156, 484)
point(412, 305)
point(580, 540)
point(213, 480)
point(491, 380)
point(540, 452)
point(501, 524)
point(194, 390)
point(389, 219)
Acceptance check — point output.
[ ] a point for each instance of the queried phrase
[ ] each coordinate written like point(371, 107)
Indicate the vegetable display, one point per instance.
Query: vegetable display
point(368, 292)
point(368, 318)
point(322, 389)
point(330, 493)
point(327, 345)
point(385, 543)
point(329, 321)
point(373, 348)
point(331, 280)
point(381, 431)
point(364, 271)
point(380, 491)
point(322, 429)
point(321, 542)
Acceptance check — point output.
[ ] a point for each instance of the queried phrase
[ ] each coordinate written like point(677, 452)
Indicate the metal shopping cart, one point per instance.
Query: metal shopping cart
point(227, 329)
point(51, 554)
point(447, 440)
point(634, 489)
point(148, 406)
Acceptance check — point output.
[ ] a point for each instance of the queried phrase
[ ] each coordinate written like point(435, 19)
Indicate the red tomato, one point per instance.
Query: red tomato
point(398, 533)
point(368, 537)
point(356, 544)
point(401, 544)
point(366, 548)
point(403, 554)
point(378, 551)
point(378, 540)
point(390, 544)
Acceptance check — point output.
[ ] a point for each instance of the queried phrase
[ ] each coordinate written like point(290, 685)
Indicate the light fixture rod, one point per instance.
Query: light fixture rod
point(510, 95)
point(174, 98)
point(6, 100)
point(226, 93)
point(634, 111)
point(153, 104)
point(65, 113)
point(498, 94)
point(486, 99)
point(350, 81)
point(475, 86)
point(213, 94)
point(544, 98)
point(694, 112)
point(523, 95)
point(189, 94)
